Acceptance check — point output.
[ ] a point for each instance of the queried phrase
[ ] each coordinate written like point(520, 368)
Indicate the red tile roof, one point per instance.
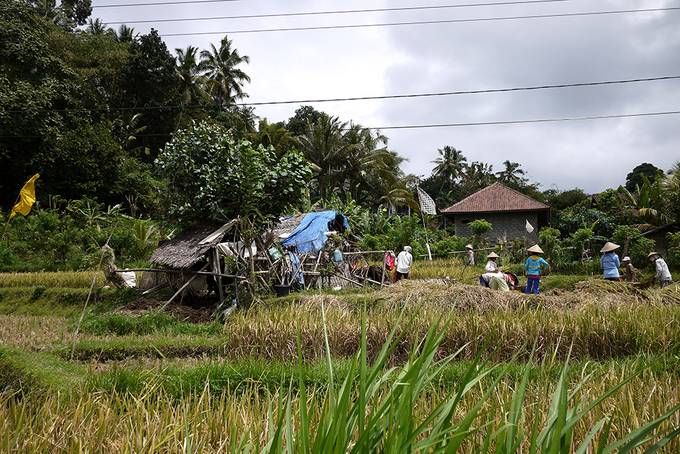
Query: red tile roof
point(494, 198)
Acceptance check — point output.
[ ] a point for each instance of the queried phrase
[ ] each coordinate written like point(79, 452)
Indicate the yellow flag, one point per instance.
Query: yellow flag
point(26, 198)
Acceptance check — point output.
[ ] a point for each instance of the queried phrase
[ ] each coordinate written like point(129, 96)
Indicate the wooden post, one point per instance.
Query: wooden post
point(382, 277)
point(217, 267)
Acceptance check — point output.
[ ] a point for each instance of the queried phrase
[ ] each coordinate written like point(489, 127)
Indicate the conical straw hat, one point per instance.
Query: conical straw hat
point(626, 259)
point(493, 255)
point(469, 246)
point(652, 254)
point(609, 246)
point(535, 249)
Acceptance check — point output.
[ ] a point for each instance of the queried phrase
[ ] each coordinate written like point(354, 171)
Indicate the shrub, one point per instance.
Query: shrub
point(480, 227)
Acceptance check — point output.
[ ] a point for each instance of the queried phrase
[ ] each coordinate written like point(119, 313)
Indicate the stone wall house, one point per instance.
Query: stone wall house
point(506, 209)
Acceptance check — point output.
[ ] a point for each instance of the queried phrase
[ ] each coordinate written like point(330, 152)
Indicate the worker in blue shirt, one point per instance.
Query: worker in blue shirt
point(609, 262)
point(534, 267)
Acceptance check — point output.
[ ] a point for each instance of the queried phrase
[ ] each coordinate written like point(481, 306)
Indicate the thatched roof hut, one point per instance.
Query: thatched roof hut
point(189, 247)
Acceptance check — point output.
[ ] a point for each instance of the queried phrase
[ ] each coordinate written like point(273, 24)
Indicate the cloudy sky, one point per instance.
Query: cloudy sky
point(464, 56)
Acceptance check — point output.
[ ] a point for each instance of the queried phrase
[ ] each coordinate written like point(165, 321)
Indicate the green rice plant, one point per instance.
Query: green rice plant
point(377, 413)
point(147, 323)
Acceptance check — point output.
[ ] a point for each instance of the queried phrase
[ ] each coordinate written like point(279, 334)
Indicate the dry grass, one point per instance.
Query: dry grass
point(62, 279)
point(153, 422)
point(35, 333)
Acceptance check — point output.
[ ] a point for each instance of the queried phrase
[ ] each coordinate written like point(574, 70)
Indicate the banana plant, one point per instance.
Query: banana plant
point(643, 202)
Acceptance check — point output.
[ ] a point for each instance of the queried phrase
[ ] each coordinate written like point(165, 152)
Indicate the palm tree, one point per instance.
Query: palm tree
point(512, 174)
point(449, 165)
point(477, 176)
point(191, 81)
point(323, 144)
point(275, 135)
point(97, 28)
point(125, 34)
point(225, 79)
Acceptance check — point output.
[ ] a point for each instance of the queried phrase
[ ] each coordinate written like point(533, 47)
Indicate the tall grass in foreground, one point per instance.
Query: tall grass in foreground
point(374, 408)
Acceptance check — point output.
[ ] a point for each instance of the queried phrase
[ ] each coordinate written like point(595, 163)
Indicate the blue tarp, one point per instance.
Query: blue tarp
point(310, 235)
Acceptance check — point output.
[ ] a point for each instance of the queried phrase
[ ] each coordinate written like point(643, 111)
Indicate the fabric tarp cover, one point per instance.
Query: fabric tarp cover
point(310, 235)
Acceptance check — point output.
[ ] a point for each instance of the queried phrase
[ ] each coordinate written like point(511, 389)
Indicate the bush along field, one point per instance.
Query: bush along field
point(425, 365)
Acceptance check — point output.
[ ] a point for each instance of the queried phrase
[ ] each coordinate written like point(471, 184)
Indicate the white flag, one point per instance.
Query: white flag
point(530, 228)
point(427, 205)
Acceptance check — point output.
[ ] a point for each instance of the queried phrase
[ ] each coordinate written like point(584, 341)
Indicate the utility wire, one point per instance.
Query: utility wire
point(173, 2)
point(467, 124)
point(535, 120)
point(363, 98)
point(347, 11)
point(426, 22)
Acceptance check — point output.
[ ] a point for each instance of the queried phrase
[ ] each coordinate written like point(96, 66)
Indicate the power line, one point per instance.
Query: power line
point(364, 98)
point(427, 22)
point(466, 124)
point(535, 120)
point(348, 11)
point(173, 2)
point(465, 92)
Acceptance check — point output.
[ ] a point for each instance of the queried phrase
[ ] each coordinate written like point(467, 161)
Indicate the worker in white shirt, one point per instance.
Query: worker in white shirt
point(470, 253)
point(491, 265)
point(404, 262)
point(663, 275)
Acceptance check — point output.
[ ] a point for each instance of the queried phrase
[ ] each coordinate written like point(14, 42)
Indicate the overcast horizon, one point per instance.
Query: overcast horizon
point(377, 61)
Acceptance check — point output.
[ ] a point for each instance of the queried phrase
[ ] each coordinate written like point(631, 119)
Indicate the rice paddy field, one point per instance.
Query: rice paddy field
point(427, 365)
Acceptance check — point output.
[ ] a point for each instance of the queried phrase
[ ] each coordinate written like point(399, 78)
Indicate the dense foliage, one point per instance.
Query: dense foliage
point(212, 176)
point(115, 118)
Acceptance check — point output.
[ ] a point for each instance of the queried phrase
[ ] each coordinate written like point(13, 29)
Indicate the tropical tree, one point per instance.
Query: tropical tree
point(125, 34)
point(225, 79)
point(450, 165)
point(645, 203)
point(275, 135)
point(634, 178)
point(477, 176)
point(324, 144)
point(512, 174)
point(214, 176)
point(97, 28)
point(671, 191)
point(191, 90)
point(67, 14)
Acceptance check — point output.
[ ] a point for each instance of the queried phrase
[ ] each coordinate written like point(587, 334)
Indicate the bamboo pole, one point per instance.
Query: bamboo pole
point(182, 288)
point(216, 258)
point(202, 273)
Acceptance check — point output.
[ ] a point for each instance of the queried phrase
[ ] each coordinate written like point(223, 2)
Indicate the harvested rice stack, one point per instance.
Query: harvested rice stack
point(600, 286)
point(668, 295)
point(472, 297)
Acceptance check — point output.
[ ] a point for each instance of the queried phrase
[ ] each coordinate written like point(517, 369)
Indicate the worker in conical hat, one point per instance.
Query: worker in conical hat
point(491, 265)
point(609, 262)
point(470, 255)
point(630, 272)
point(663, 274)
point(534, 267)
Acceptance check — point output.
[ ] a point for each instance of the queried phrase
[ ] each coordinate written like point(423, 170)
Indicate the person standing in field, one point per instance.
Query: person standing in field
point(404, 262)
point(491, 265)
point(470, 257)
point(609, 262)
point(630, 273)
point(534, 267)
point(663, 274)
point(390, 265)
